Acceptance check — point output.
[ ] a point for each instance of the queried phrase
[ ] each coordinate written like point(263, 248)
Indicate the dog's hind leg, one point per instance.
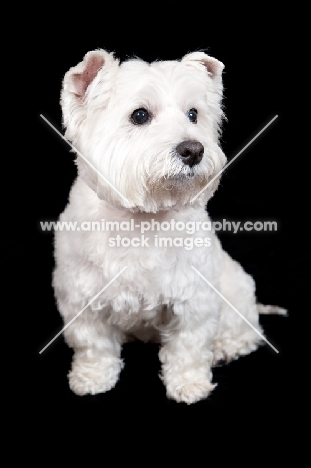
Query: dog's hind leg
point(239, 330)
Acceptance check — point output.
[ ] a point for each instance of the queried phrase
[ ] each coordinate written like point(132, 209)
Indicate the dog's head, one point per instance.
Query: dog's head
point(150, 131)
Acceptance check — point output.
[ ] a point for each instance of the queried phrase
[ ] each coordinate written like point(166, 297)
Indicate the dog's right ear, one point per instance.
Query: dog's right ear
point(79, 88)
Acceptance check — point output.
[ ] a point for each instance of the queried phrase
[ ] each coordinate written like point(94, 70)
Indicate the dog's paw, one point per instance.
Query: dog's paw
point(94, 377)
point(189, 391)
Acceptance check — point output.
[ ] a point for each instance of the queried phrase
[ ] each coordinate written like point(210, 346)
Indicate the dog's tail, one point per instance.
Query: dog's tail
point(271, 309)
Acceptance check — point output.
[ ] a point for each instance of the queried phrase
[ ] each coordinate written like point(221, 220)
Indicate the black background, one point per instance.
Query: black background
point(267, 182)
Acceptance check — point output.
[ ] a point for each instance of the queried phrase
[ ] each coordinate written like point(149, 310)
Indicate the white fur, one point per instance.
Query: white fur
point(159, 296)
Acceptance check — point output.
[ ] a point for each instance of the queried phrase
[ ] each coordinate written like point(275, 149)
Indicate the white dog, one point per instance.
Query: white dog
point(147, 141)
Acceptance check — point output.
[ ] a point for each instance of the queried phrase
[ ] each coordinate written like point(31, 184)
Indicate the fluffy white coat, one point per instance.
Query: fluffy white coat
point(159, 296)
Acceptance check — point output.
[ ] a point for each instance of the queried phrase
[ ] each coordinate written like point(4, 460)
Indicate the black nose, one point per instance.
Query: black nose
point(191, 152)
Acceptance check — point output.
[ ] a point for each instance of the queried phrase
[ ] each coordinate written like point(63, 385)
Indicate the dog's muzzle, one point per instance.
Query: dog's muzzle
point(190, 151)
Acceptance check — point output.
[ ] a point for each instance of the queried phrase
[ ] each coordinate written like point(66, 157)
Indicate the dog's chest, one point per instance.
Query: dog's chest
point(143, 318)
point(149, 286)
point(148, 282)
point(154, 276)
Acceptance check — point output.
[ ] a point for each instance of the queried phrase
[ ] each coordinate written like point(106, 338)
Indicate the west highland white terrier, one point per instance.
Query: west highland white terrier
point(148, 153)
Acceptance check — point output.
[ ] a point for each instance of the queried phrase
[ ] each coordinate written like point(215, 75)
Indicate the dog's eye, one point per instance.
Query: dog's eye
point(193, 115)
point(140, 116)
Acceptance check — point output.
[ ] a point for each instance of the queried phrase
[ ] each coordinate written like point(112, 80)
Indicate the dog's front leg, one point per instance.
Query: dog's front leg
point(186, 354)
point(96, 363)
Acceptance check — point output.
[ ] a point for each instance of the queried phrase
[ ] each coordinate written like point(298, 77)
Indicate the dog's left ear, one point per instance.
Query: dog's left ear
point(212, 75)
point(213, 66)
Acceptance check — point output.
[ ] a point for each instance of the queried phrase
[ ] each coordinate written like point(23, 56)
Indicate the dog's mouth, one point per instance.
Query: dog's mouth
point(172, 173)
point(189, 174)
point(181, 170)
